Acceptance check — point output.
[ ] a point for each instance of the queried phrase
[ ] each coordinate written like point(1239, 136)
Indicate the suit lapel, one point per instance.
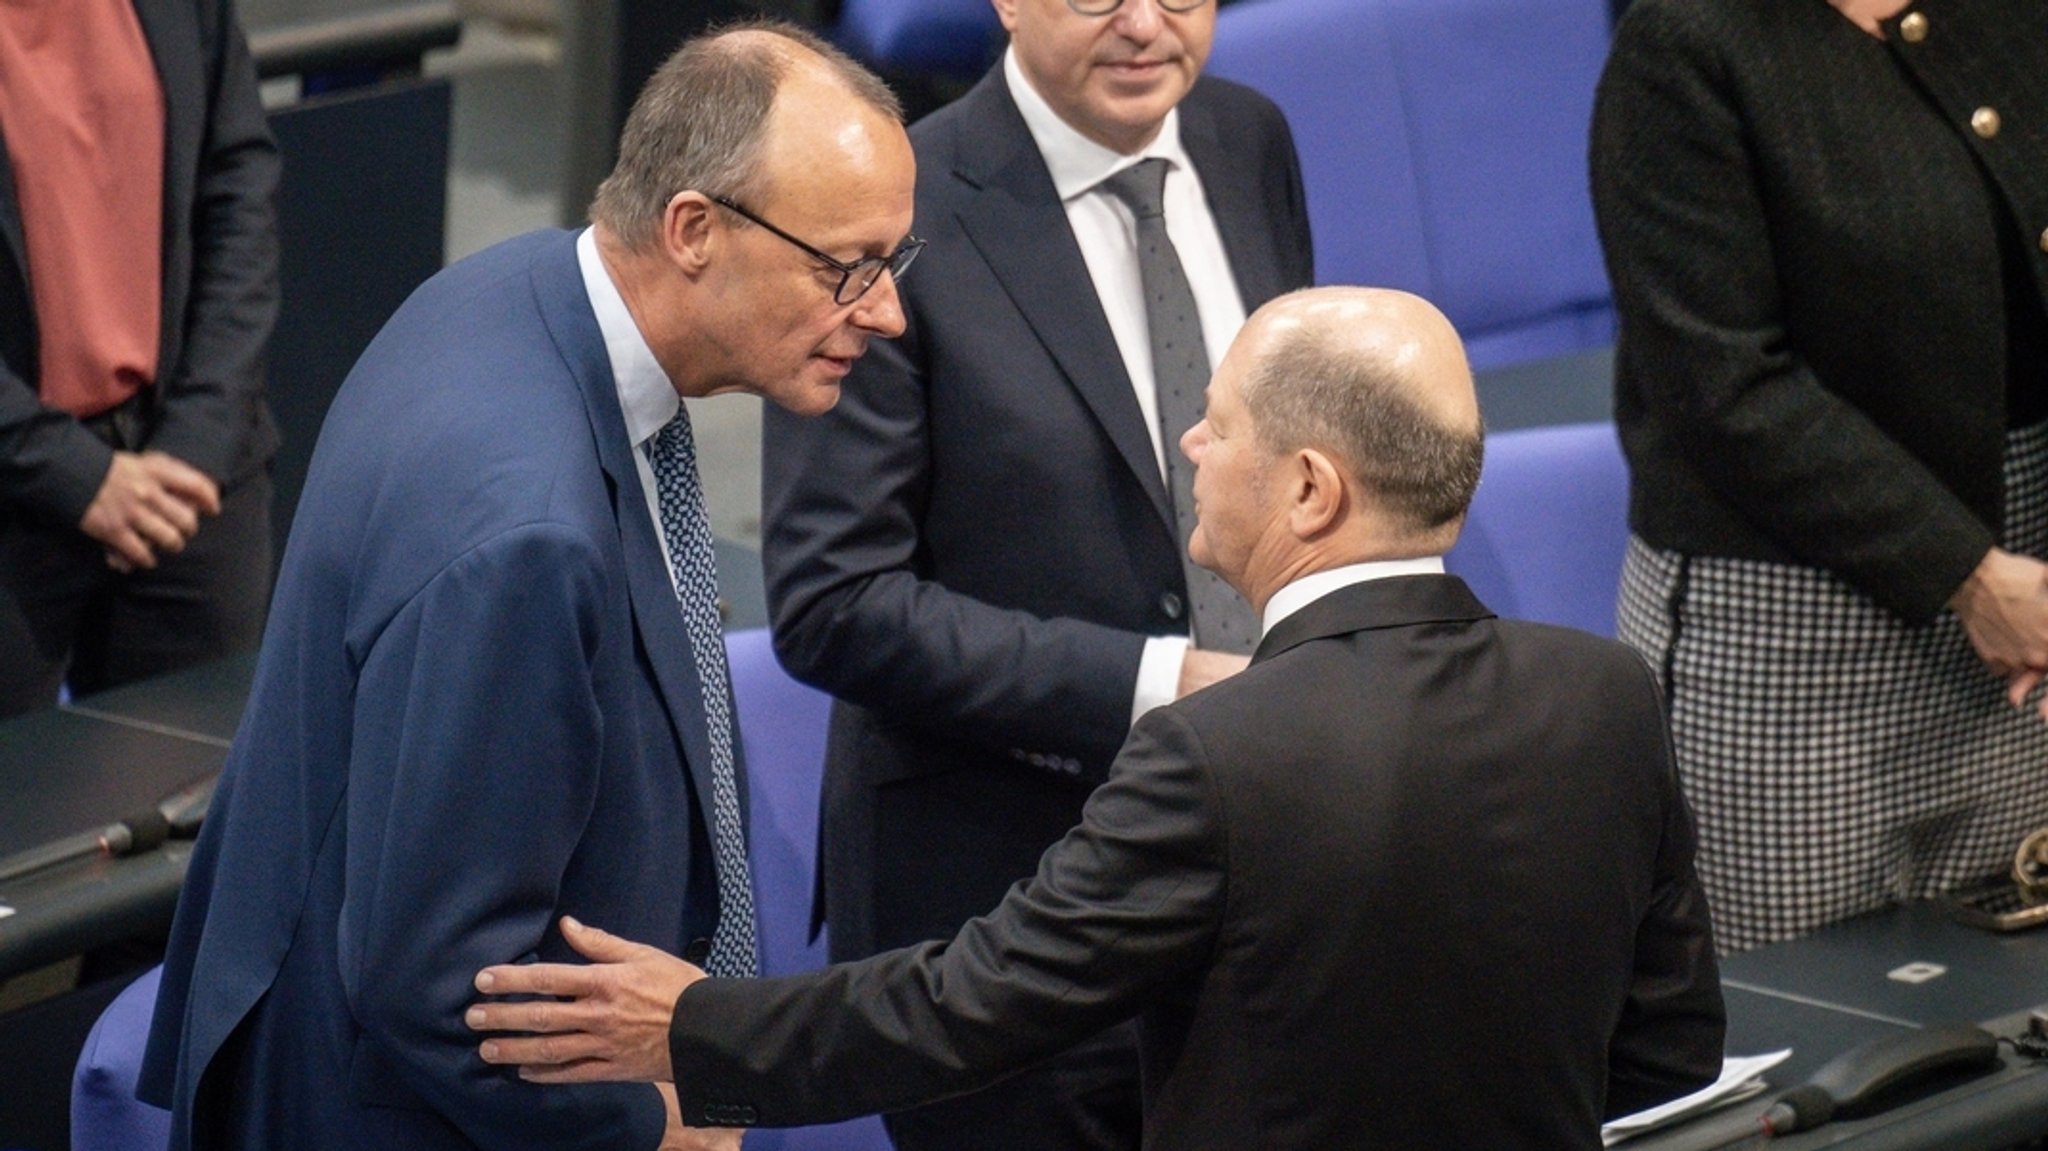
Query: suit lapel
point(1400, 601)
point(565, 306)
point(1232, 188)
point(174, 46)
point(173, 37)
point(1016, 222)
point(10, 218)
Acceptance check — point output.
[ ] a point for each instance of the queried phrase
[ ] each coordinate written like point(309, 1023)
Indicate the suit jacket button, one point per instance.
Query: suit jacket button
point(1984, 122)
point(2044, 239)
point(1170, 604)
point(1913, 28)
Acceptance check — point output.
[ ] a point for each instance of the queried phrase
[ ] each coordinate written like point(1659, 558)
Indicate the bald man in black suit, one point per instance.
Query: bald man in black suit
point(1417, 878)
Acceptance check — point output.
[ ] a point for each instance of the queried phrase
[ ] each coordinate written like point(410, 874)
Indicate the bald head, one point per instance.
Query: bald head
point(1377, 379)
point(1341, 427)
point(704, 122)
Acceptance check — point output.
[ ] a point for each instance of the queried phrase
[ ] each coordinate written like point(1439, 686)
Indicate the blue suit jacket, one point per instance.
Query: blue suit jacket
point(473, 713)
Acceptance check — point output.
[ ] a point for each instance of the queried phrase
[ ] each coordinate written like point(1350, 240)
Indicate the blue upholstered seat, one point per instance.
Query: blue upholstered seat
point(957, 38)
point(1548, 528)
point(782, 732)
point(105, 1115)
point(1443, 143)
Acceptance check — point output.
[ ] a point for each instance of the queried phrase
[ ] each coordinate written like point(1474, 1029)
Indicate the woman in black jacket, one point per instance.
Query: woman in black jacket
point(1827, 226)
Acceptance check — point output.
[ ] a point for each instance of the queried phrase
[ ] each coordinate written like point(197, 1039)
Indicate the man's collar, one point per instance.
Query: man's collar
point(646, 395)
point(1077, 163)
point(1316, 585)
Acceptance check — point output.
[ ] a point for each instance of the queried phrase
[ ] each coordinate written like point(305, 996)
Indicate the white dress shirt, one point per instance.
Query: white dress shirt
point(647, 397)
point(1107, 234)
point(1314, 586)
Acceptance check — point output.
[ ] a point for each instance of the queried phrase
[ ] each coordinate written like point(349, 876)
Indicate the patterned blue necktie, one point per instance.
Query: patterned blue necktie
point(673, 453)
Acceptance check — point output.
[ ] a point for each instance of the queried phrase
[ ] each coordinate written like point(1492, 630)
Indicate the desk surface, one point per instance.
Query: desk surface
point(80, 767)
point(64, 772)
point(202, 703)
point(1848, 967)
point(1833, 990)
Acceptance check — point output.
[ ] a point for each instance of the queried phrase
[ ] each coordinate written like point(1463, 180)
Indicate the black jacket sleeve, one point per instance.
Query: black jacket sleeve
point(209, 396)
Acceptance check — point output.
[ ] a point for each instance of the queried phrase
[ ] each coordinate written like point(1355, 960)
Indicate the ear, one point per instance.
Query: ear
point(1316, 493)
point(1006, 11)
point(687, 234)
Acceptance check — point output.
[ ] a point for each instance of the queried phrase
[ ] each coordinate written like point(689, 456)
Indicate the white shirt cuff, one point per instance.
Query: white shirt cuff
point(1158, 673)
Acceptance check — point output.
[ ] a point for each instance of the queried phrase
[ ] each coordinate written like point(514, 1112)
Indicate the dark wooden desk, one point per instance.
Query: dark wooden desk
point(71, 770)
point(202, 703)
point(1985, 974)
point(1834, 990)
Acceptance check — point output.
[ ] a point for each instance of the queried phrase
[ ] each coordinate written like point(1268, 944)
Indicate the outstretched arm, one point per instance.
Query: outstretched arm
point(1129, 902)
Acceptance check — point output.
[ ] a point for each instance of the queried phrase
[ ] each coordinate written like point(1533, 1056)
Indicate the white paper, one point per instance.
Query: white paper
point(1740, 1077)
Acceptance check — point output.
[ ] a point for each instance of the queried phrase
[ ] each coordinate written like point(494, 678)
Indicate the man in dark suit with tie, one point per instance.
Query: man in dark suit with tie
point(493, 689)
point(1419, 878)
point(981, 552)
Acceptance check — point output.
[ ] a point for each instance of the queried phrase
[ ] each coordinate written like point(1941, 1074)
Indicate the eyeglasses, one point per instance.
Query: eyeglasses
point(855, 278)
point(1105, 7)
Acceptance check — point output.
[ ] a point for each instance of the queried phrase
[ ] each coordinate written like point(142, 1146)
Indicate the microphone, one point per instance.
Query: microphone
point(177, 815)
point(1804, 1107)
point(184, 809)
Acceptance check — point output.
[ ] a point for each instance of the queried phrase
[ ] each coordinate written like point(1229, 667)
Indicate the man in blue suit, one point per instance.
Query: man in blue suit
point(484, 698)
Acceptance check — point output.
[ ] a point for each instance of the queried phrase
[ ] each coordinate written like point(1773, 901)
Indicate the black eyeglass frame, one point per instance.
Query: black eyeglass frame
point(1174, 6)
point(895, 263)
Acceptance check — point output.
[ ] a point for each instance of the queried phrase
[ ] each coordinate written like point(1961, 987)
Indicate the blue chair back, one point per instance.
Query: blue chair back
point(782, 734)
point(958, 38)
point(1443, 143)
point(1548, 527)
point(105, 1115)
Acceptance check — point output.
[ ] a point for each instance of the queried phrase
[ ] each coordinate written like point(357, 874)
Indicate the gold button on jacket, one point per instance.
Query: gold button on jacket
point(1913, 28)
point(1984, 122)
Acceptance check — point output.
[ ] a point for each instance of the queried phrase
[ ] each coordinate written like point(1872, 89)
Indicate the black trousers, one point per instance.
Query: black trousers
point(66, 617)
point(1085, 1099)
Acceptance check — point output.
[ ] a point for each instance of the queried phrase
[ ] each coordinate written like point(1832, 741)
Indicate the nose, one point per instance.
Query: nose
point(1194, 440)
point(1139, 20)
point(881, 310)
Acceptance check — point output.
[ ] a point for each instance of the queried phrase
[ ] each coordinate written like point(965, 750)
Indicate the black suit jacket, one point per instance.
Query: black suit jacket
point(1419, 878)
point(970, 550)
point(1812, 360)
point(219, 283)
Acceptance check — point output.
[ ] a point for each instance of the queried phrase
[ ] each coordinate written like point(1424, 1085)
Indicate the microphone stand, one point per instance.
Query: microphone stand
point(176, 816)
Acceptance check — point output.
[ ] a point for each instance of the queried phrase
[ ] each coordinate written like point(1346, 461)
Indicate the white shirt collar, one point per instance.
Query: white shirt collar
point(646, 395)
point(1077, 163)
point(1316, 585)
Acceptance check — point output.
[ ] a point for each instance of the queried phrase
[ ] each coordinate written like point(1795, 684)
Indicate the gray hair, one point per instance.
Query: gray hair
point(1311, 391)
point(700, 120)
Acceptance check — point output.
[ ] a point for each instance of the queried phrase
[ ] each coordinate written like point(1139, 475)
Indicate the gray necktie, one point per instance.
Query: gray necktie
point(673, 454)
point(1180, 368)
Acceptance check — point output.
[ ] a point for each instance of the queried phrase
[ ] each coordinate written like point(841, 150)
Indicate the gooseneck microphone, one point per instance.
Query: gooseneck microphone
point(1861, 1081)
point(177, 815)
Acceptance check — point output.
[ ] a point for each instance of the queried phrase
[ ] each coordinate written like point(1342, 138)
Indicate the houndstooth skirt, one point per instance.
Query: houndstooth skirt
point(1836, 758)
